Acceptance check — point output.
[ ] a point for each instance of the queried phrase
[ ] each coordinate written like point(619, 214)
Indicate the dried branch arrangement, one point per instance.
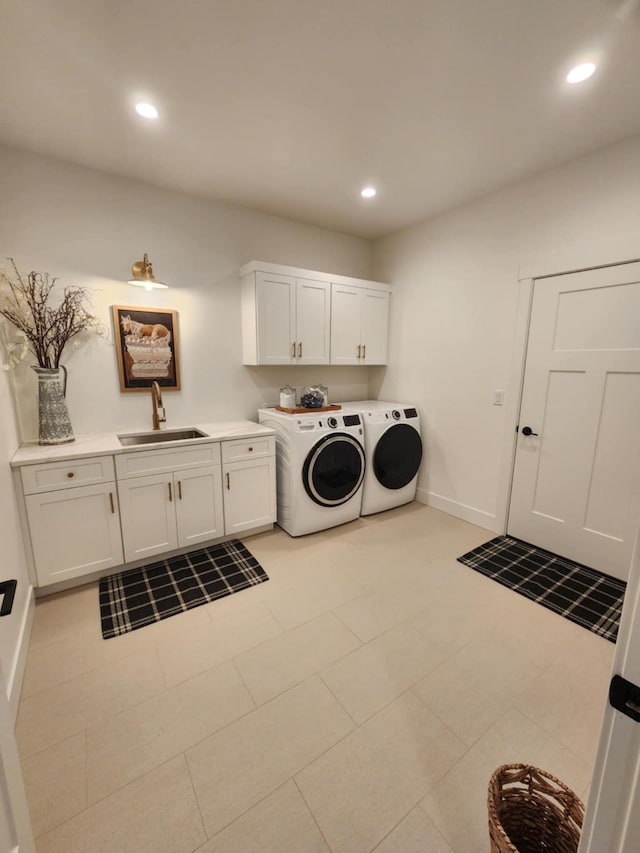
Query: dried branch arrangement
point(46, 329)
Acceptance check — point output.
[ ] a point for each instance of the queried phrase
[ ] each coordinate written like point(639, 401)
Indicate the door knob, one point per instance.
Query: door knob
point(528, 431)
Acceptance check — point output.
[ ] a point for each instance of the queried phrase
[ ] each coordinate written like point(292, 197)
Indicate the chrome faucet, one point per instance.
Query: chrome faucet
point(156, 400)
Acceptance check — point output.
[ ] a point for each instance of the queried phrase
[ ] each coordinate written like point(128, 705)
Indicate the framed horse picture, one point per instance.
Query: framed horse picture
point(146, 347)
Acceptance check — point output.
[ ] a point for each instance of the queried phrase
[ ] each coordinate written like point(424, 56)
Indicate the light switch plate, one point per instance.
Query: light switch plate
point(498, 397)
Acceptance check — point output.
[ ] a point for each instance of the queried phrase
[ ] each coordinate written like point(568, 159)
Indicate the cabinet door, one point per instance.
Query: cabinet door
point(249, 494)
point(345, 324)
point(374, 326)
point(148, 515)
point(313, 316)
point(276, 296)
point(199, 505)
point(74, 531)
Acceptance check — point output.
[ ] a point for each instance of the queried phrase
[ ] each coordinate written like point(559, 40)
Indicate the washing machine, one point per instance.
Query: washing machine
point(320, 468)
point(393, 447)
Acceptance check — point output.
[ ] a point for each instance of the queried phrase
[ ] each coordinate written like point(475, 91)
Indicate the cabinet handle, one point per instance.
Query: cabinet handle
point(69, 474)
point(364, 350)
point(113, 509)
point(359, 351)
point(293, 350)
point(228, 483)
point(180, 489)
point(300, 350)
point(170, 493)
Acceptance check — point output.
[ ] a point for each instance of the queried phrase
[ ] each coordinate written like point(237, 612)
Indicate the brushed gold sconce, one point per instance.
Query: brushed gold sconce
point(142, 275)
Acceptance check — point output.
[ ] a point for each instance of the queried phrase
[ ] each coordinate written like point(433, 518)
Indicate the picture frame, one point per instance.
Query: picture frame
point(146, 347)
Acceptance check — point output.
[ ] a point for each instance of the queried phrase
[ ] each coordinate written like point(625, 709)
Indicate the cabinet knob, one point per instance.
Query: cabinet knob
point(250, 449)
point(69, 474)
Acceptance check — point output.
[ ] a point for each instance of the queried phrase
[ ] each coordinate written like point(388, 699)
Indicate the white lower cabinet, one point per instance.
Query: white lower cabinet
point(249, 499)
point(92, 514)
point(162, 512)
point(74, 531)
point(176, 504)
point(199, 505)
point(249, 473)
point(148, 516)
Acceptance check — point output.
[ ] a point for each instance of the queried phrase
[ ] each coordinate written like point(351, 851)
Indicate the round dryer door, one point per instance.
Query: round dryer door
point(334, 469)
point(397, 456)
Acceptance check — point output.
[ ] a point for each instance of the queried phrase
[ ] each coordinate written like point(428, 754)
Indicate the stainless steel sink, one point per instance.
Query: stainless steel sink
point(160, 436)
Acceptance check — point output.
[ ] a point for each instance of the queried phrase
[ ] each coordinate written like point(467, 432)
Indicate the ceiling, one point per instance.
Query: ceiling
point(292, 106)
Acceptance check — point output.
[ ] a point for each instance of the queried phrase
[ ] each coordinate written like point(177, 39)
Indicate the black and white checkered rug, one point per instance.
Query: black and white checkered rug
point(584, 595)
point(139, 597)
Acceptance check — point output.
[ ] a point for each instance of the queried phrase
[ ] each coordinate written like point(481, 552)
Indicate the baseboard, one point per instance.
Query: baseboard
point(16, 676)
point(463, 511)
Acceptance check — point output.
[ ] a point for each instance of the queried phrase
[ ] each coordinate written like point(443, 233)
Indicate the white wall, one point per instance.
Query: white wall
point(14, 629)
point(88, 228)
point(455, 281)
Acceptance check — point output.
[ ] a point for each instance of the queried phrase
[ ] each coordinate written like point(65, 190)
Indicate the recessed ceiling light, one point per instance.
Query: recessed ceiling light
point(581, 72)
point(368, 192)
point(146, 110)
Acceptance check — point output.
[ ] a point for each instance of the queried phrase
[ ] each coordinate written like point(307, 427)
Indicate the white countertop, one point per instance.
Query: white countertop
point(107, 444)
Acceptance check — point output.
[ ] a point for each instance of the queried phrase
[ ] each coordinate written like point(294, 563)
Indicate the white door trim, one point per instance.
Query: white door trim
point(611, 821)
point(514, 401)
point(565, 267)
point(13, 801)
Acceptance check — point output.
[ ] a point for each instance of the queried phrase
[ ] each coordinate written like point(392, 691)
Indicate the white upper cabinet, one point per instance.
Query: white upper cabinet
point(359, 324)
point(291, 324)
point(275, 333)
point(313, 314)
point(288, 317)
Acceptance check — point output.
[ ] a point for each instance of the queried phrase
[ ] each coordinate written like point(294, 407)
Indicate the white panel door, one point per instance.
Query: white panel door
point(313, 316)
point(276, 318)
point(74, 531)
point(15, 827)
point(199, 505)
point(345, 324)
point(147, 510)
point(374, 323)
point(249, 494)
point(576, 488)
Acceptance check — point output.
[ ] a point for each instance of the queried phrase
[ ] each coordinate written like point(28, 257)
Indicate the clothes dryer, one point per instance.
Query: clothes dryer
point(393, 446)
point(320, 467)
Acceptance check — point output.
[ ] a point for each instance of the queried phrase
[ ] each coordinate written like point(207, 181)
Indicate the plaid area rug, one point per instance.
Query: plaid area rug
point(583, 595)
point(139, 597)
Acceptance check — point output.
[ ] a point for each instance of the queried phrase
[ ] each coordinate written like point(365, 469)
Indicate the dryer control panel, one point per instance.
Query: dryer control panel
point(311, 424)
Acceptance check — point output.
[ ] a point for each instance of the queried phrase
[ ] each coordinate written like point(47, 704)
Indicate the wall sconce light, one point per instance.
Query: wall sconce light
point(142, 275)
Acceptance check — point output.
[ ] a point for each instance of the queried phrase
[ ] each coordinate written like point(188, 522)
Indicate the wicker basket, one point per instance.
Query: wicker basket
point(530, 811)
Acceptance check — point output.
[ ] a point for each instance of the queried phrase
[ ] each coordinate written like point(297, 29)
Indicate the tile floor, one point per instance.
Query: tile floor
point(358, 701)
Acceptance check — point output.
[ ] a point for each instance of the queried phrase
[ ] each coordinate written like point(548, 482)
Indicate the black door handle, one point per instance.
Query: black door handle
point(8, 589)
point(625, 696)
point(528, 431)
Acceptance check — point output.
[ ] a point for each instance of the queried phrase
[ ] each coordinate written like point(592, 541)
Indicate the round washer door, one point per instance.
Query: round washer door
point(397, 456)
point(334, 469)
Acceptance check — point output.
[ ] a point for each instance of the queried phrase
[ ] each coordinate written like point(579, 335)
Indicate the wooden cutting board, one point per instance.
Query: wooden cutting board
point(301, 411)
